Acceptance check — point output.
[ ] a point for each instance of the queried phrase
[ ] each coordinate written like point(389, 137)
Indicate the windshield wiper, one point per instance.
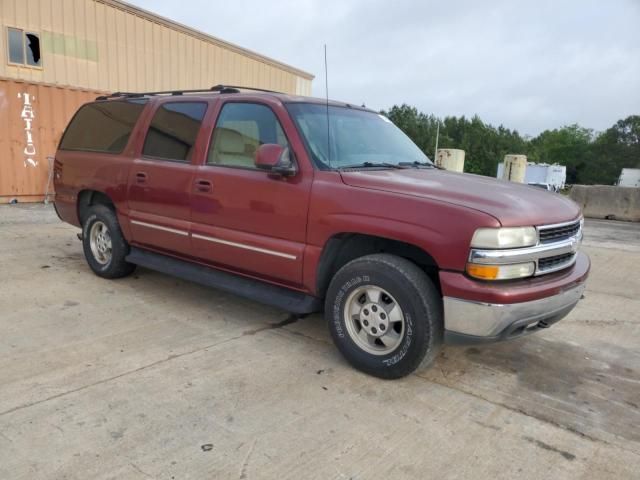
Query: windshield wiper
point(418, 164)
point(373, 165)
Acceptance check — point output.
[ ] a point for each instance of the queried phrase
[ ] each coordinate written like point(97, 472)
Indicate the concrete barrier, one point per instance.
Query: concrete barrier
point(604, 201)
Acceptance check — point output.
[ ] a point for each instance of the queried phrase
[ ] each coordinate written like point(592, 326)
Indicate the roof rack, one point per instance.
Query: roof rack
point(216, 88)
point(236, 89)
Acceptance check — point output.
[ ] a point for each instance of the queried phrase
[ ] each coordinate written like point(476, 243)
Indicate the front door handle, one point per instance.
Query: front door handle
point(203, 185)
point(141, 177)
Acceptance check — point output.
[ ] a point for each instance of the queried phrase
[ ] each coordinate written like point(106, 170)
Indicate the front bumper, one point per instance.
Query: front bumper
point(474, 321)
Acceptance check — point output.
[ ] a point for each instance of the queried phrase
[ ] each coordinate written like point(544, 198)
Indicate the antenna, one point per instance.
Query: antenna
point(326, 90)
point(435, 152)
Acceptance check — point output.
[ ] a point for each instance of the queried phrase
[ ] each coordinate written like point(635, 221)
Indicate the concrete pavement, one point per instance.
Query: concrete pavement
point(154, 377)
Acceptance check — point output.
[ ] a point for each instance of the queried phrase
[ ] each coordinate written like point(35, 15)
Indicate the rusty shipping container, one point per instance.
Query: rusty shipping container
point(32, 119)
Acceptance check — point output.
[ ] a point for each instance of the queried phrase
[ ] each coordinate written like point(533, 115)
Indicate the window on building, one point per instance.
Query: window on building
point(240, 130)
point(102, 126)
point(32, 48)
point(173, 131)
point(24, 47)
point(16, 46)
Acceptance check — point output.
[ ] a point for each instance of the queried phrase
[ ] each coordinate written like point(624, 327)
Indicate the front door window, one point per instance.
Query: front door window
point(240, 130)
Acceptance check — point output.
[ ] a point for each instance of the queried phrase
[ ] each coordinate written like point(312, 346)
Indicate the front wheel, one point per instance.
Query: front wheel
point(384, 314)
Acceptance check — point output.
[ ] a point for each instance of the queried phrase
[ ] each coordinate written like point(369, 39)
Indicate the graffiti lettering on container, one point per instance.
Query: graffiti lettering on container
point(28, 116)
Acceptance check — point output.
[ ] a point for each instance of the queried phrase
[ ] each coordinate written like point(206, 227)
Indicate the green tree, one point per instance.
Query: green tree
point(569, 146)
point(419, 127)
point(589, 157)
point(616, 148)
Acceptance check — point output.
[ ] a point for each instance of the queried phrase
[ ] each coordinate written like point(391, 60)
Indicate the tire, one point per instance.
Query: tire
point(404, 344)
point(107, 256)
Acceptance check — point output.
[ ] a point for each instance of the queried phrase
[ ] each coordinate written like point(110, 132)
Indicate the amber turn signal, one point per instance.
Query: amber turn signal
point(484, 272)
point(501, 272)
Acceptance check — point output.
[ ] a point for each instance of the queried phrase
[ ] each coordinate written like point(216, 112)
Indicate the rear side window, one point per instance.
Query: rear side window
point(173, 131)
point(102, 127)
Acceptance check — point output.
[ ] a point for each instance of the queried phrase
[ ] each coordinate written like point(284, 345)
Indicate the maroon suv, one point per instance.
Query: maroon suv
point(309, 205)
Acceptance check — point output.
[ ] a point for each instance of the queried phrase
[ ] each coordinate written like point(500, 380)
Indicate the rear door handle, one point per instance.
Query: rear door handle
point(203, 185)
point(141, 177)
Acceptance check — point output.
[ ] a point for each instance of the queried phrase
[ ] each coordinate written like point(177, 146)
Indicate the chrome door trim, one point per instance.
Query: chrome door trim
point(244, 246)
point(160, 227)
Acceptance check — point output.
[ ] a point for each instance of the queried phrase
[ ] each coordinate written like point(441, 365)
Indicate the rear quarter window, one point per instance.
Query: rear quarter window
point(102, 126)
point(173, 131)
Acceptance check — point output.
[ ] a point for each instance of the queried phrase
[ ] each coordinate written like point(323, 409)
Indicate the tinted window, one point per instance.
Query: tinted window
point(102, 126)
point(173, 131)
point(16, 46)
point(240, 130)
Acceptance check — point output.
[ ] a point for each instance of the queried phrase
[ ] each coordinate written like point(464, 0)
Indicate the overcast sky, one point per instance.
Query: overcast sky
point(529, 65)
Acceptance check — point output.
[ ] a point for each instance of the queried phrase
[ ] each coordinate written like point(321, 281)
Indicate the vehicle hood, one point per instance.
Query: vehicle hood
point(512, 204)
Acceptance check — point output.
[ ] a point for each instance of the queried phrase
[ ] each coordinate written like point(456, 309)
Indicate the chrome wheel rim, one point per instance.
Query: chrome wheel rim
point(100, 242)
point(374, 320)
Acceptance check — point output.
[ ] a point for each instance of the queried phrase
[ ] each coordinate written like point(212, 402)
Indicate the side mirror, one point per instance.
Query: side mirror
point(275, 159)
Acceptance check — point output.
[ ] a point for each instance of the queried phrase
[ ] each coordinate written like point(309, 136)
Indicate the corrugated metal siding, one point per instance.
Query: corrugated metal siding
point(95, 46)
point(108, 45)
point(51, 108)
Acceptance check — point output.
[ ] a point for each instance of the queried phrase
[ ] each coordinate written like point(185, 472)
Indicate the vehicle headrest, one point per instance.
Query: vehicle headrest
point(230, 141)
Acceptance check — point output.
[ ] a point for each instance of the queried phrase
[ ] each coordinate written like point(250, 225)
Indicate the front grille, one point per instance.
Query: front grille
point(557, 249)
point(555, 262)
point(556, 234)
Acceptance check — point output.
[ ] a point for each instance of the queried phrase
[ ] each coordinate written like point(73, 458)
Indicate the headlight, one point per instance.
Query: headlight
point(508, 237)
point(501, 272)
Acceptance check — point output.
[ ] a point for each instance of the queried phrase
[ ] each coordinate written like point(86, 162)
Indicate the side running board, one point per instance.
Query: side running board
point(280, 297)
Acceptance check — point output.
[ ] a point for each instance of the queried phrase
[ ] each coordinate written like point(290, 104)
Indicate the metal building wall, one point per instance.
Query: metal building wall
point(110, 45)
point(95, 46)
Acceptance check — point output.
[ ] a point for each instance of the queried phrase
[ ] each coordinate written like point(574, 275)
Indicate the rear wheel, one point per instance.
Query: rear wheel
point(105, 248)
point(384, 314)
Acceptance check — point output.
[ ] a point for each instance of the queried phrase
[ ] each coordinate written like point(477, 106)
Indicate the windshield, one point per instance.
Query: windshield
point(357, 138)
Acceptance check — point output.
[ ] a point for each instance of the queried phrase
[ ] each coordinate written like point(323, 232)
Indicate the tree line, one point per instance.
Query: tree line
point(590, 157)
